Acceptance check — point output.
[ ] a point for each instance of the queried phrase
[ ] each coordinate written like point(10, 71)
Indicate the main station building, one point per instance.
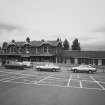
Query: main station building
point(49, 51)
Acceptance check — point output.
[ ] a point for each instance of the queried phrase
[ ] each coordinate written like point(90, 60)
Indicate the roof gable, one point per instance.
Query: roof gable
point(36, 43)
point(39, 43)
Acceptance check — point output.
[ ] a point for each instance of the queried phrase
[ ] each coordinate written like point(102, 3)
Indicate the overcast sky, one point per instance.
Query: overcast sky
point(49, 19)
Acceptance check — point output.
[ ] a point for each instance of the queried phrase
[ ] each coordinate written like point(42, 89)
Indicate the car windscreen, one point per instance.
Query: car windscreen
point(83, 66)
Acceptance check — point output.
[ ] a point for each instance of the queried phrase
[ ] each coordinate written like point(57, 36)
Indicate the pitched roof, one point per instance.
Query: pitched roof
point(20, 43)
point(84, 54)
point(39, 43)
point(36, 43)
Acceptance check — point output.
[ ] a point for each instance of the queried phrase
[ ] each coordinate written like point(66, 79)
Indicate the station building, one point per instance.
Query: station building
point(49, 51)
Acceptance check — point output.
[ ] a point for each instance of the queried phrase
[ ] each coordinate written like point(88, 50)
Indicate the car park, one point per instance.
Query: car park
point(84, 68)
point(48, 67)
point(14, 65)
point(27, 64)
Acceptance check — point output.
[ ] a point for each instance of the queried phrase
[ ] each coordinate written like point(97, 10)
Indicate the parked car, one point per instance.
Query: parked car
point(48, 67)
point(14, 65)
point(27, 64)
point(84, 68)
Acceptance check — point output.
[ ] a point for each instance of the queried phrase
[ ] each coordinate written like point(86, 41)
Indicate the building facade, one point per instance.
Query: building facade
point(49, 51)
point(39, 51)
point(86, 57)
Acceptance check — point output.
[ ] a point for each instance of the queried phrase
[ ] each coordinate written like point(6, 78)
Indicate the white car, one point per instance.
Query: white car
point(48, 67)
point(86, 68)
point(27, 64)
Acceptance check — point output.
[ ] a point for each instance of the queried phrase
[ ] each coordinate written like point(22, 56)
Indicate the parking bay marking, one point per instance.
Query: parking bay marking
point(69, 80)
point(8, 78)
point(80, 84)
point(20, 76)
point(43, 79)
point(17, 73)
point(97, 83)
point(59, 86)
point(23, 76)
point(13, 78)
point(60, 79)
point(50, 84)
point(4, 74)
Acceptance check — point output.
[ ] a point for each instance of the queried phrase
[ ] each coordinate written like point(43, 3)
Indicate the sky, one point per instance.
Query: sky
point(49, 19)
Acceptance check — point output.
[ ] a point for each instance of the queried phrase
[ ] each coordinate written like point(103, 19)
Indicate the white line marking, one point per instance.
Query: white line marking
point(69, 80)
point(43, 79)
point(32, 83)
point(6, 78)
point(88, 80)
point(56, 85)
point(52, 85)
point(17, 73)
point(85, 88)
point(21, 74)
point(91, 88)
point(39, 84)
point(4, 74)
point(84, 80)
point(60, 79)
point(80, 84)
point(97, 82)
point(101, 82)
point(14, 78)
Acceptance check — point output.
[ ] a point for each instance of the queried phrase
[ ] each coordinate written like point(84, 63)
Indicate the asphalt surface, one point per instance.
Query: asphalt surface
point(30, 87)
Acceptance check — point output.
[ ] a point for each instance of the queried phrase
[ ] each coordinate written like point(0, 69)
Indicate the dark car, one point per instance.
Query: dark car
point(14, 65)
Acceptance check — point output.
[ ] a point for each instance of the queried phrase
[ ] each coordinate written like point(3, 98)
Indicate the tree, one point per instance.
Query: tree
point(13, 41)
point(42, 40)
point(76, 45)
point(28, 39)
point(58, 39)
point(66, 44)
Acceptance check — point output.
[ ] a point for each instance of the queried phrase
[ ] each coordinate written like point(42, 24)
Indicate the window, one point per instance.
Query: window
point(12, 49)
point(27, 49)
point(45, 49)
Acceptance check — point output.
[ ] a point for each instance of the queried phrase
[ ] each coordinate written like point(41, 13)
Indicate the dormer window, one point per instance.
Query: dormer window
point(27, 52)
point(12, 49)
point(45, 50)
point(27, 48)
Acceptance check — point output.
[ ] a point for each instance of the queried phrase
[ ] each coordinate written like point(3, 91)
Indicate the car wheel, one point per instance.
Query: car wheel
point(90, 71)
point(75, 70)
point(54, 70)
point(38, 69)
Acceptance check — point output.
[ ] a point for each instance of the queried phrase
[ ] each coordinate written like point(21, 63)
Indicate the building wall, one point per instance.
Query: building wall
point(46, 48)
point(76, 61)
point(34, 52)
point(57, 51)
